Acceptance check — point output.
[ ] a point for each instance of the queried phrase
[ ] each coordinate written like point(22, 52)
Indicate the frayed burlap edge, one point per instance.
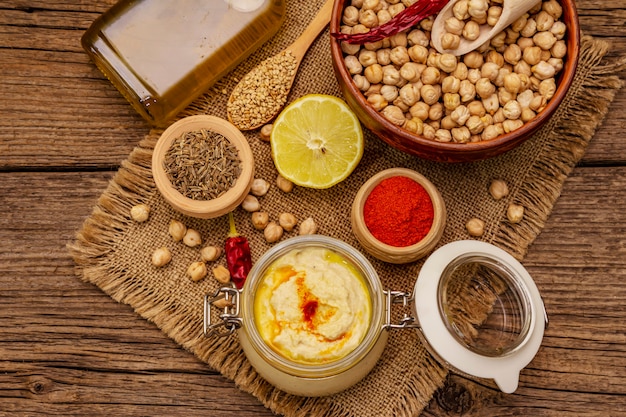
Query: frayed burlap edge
point(133, 184)
point(597, 85)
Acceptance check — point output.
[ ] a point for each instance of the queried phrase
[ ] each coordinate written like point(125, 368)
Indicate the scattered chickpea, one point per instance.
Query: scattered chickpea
point(140, 213)
point(197, 271)
point(515, 213)
point(192, 238)
point(284, 184)
point(287, 221)
point(498, 189)
point(222, 303)
point(260, 219)
point(210, 253)
point(250, 204)
point(161, 257)
point(266, 132)
point(273, 232)
point(221, 274)
point(308, 227)
point(475, 227)
point(177, 230)
point(259, 187)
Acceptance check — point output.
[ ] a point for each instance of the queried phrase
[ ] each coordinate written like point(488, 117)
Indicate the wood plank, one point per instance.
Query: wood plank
point(52, 319)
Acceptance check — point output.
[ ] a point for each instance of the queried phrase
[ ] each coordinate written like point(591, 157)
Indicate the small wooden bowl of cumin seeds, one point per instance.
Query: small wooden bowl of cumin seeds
point(203, 166)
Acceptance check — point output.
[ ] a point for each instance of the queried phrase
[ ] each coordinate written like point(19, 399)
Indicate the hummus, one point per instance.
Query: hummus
point(312, 306)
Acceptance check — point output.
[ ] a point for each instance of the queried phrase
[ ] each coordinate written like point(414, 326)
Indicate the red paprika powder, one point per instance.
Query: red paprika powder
point(398, 211)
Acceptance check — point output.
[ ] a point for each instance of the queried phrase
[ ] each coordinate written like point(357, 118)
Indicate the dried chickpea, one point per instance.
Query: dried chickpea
point(308, 227)
point(259, 187)
point(411, 72)
point(222, 303)
point(394, 114)
point(459, 10)
point(515, 213)
point(250, 203)
point(471, 30)
point(367, 58)
point(493, 15)
point(374, 73)
point(284, 184)
point(443, 135)
point(430, 76)
point(436, 111)
point(368, 18)
point(447, 63)
point(266, 132)
point(177, 230)
point(287, 221)
point(430, 95)
point(511, 125)
point(273, 232)
point(192, 238)
point(454, 25)
point(197, 271)
point(450, 41)
point(377, 101)
point(221, 274)
point(475, 227)
point(260, 219)
point(161, 257)
point(360, 81)
point(353, 65)
point(350, 16)
point(383, 56)
point(399, 56)
point(498, 189)
point(461, 134)
point(210, 253)
point(460, 115)
point(140, 212)
point(389, 92)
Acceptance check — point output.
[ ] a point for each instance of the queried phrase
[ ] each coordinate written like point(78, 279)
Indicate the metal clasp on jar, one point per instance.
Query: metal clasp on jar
point(230, 320)
point(398, 297)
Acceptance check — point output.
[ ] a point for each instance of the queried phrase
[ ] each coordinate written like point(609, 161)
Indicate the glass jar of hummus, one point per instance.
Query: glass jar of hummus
point(313, 319)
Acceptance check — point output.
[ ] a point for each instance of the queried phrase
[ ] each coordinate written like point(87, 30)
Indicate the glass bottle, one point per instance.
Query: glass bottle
point(162, 54)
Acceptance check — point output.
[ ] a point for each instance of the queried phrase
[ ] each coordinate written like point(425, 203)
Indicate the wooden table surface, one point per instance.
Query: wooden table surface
point(68, 349)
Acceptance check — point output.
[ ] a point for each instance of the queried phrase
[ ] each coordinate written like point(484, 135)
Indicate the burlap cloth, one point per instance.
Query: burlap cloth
point(113, 252)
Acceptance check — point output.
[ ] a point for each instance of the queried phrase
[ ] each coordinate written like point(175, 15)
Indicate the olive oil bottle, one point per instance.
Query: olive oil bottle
point(162, 54)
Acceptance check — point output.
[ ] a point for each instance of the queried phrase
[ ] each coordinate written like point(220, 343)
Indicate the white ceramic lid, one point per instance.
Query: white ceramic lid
point(503, 369)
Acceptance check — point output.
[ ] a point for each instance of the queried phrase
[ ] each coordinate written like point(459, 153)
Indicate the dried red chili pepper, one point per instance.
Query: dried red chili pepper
point(238, 258)
point(402, 21)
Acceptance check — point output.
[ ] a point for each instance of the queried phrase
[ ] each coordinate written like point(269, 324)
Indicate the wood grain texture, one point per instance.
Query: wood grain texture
point(67, 349)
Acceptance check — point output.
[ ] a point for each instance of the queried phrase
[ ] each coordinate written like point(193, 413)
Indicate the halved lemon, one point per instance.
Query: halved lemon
point(317, 141)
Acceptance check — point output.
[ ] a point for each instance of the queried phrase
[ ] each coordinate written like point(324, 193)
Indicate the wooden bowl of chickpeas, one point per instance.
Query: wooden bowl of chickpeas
point(456, 109)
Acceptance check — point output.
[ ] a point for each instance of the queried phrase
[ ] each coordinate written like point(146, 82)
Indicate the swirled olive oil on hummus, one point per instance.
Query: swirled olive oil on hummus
point(312, 306)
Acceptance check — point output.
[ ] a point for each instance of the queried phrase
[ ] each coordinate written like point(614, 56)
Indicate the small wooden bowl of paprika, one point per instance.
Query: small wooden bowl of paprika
point(398, 216)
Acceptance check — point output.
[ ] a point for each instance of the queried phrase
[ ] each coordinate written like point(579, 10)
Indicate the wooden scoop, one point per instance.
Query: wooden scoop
point(247, 99)
point(511, 11)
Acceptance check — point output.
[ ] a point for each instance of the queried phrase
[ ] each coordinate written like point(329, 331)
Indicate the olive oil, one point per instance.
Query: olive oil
point(162, 54)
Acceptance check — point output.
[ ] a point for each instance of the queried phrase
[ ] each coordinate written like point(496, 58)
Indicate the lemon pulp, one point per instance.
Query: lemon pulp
point(316, 141)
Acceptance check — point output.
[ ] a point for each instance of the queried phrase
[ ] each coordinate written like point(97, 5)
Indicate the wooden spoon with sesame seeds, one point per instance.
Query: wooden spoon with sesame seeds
point(262, 93)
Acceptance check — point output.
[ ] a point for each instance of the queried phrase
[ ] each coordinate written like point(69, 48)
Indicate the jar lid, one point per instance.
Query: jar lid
point(498, 338)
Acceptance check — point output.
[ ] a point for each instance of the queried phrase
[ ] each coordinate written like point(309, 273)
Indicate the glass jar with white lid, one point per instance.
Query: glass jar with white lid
point(497, 346)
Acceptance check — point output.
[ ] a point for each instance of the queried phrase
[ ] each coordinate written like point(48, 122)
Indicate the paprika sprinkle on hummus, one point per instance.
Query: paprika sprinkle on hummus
point(398, 212)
